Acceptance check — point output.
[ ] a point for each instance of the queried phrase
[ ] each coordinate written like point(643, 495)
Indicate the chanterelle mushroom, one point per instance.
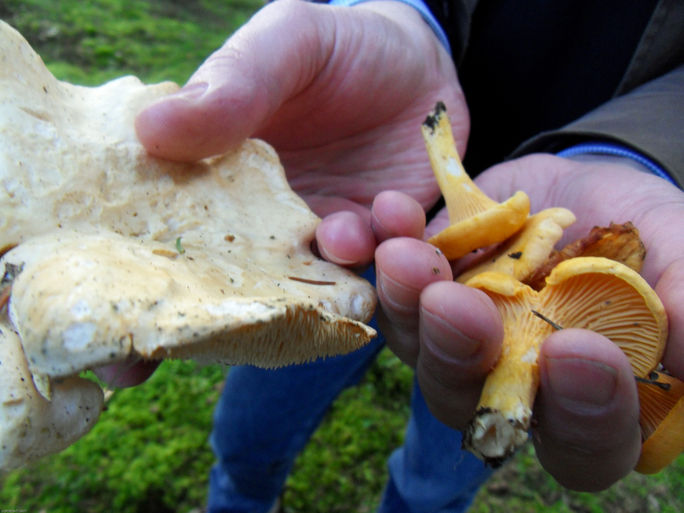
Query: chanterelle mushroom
point(593, 293)
point(528, 249)
point(116, 253)
point(662, 421)
point(475, 220)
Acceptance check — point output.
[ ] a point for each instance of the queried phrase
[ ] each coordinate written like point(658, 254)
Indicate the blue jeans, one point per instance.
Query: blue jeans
point(265, 417)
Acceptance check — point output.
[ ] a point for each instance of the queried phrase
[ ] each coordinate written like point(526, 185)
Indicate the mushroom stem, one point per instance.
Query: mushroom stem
point(503, 415)
point(476, 220)
point(462, 197)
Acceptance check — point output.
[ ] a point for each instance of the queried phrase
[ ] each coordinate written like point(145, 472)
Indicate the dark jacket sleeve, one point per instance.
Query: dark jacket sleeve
point(455, 17)
point(649, 119)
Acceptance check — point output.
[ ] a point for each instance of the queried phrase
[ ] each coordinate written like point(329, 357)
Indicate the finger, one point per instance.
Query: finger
point(345, 238)
point(323, 205)
point(395, 214)
point(241, 85)
point(669, 289)
point(404, 267)
point(127, 374)
point(460, 340)
point(438, 223)
point(587, 411)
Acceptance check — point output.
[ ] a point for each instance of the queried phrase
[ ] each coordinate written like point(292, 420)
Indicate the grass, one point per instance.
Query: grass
point(91, 42)
point(149, 451)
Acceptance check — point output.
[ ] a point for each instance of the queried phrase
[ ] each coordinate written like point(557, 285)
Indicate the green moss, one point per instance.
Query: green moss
point(91, 42)
point(344, 467)
point(147, 452)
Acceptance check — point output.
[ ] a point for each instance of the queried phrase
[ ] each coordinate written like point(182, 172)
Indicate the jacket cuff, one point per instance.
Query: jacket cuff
point(616, 150)
point(419, 6)
point(648, 121)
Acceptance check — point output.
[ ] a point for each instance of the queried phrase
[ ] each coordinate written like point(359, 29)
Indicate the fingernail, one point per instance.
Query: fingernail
point(581, 383)
point(330, 257)
point(381, 233)
point(447, 339)
point(191, 91)
point(399, 297)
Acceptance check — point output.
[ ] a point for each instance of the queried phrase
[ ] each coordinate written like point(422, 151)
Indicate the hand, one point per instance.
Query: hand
point(340, 93)
point(586, 431)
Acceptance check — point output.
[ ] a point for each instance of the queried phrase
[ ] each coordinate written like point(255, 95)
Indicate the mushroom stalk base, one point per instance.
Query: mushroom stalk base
point(494, 437)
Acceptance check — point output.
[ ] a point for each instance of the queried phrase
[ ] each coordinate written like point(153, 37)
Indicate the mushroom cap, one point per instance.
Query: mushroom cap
point(31, 426)
point(620, 242)
point(488, 227)
point(608, 297)
point(122, 253)
point(661, 417)
point(109, 253)
point(529, 248)
point(593, 293)
point(100, 298)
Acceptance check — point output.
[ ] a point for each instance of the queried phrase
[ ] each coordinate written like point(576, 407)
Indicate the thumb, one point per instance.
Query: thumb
point(587, 432)
point(239, 87)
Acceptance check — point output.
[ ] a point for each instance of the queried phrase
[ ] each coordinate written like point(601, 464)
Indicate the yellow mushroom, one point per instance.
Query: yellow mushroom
point(528, 249)
point(593, 293)
point(475, 220)
point(661, 418)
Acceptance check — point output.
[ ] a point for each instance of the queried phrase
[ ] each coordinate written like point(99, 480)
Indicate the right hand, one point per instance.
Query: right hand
point(340, 92)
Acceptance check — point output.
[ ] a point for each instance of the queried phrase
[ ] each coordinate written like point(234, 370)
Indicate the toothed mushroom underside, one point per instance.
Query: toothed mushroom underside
point(110, 253)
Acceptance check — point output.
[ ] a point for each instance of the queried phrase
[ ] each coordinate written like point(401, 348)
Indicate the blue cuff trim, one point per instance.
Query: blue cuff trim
point(419, 6)
point(602, 148)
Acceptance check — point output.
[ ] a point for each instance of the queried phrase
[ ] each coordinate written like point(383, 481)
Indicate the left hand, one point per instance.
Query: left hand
point(587, 432)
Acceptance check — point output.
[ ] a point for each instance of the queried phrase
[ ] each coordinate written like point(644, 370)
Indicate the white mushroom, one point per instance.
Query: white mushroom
point(30, 425)
point(109, 253)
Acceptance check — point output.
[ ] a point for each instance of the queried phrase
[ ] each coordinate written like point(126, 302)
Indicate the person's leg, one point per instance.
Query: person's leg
point(263, 420)
point(430, 473)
